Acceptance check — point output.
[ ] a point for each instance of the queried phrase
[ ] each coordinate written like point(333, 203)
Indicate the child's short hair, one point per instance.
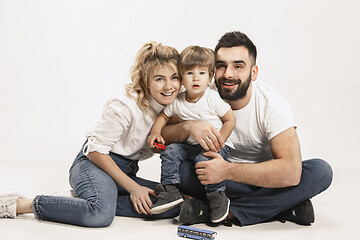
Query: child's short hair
point(193, 56)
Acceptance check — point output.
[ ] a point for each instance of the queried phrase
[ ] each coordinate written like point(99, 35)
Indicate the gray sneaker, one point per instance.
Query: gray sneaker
point(194, 211)
point(167, 198)
point(219, 205)
point(8, 205)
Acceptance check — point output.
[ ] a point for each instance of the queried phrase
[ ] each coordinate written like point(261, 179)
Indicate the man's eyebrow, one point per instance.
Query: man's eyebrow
point(236, 61)
point(240, 61)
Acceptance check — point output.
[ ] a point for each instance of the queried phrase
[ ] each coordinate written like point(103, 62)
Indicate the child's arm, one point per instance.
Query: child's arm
point(229, 121)
point(155, 133)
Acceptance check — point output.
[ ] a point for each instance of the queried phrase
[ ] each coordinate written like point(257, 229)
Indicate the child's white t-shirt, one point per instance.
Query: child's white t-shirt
point(265, 116)
point(209, 108)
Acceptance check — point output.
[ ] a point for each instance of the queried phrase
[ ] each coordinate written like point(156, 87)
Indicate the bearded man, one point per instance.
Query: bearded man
point(266, 177)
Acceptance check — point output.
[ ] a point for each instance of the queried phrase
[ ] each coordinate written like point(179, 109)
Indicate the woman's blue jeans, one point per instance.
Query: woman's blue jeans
point(100, 198)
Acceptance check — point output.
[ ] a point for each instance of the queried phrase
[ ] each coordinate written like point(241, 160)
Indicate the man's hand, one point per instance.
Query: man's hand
point(213, 171)
point(205, 134)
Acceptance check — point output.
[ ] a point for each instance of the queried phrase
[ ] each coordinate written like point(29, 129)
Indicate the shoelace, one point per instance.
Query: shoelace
point(4, 209)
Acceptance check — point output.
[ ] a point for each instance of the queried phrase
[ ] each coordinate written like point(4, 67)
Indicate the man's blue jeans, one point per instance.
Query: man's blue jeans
point(100, 198)
point(251, 204)
point(176, 153)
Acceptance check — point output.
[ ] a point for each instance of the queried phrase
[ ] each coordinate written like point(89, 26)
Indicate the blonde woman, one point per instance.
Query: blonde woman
point(103, 174)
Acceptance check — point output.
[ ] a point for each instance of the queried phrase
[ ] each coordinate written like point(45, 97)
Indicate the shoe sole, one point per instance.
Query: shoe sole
point(166, 207)
point(225, 215)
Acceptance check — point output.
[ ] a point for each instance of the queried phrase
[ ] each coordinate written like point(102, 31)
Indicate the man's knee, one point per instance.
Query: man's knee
point(321, 170)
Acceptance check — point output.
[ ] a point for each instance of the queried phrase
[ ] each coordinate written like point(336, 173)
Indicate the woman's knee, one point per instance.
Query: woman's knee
point(99, 216)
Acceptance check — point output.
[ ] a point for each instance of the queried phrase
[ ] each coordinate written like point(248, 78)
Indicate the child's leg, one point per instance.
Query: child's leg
point(215, 193)
point(224, 152)
point(168, 195)
point(171, 158)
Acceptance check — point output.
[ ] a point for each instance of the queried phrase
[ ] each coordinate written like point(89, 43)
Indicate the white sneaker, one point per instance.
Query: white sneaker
point(8, 205)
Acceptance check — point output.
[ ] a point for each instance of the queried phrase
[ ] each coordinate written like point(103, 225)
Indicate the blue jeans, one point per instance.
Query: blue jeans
point(100, 198)
point(251, 204)
point(176, 153)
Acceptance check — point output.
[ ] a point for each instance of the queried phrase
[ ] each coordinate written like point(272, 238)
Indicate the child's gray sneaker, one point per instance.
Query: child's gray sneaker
point(8, 205)
point(219, 205)
point(167, 198)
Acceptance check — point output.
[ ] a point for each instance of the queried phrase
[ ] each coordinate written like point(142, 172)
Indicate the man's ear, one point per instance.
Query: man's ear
point(254, 72)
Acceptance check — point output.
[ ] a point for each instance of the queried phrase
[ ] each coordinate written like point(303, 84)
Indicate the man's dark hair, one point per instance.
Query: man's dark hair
point(237, 39)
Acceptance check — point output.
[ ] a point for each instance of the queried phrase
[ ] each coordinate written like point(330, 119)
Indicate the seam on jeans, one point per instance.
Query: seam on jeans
point(36, 208)
point(87, 172)
point(237, 216)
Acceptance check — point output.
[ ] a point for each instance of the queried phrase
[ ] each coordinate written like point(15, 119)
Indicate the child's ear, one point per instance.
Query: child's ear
point(211, 75)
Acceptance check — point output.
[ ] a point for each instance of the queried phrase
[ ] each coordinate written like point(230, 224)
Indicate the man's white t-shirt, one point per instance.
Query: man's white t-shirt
point(265, 116)
point(210, 108)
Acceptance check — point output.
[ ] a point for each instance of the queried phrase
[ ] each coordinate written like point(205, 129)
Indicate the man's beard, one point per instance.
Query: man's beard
point(239, 93)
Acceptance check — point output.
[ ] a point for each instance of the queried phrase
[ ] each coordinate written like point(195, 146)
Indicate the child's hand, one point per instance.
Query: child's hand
point(155, 137)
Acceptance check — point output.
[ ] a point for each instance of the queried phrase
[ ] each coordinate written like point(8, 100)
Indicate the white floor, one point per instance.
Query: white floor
point(336, 211)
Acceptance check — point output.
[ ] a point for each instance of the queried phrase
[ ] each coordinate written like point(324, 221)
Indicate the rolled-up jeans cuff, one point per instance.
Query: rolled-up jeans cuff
point(36, 209)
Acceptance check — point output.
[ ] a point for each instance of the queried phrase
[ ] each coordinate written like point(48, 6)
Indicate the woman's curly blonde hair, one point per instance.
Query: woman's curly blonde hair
point(150, 56)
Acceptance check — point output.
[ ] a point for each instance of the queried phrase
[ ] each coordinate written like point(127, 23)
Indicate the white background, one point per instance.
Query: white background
point(61, 59)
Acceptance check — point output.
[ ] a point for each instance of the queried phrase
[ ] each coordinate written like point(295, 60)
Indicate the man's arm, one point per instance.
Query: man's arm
point(283, 171)
point(197, 130)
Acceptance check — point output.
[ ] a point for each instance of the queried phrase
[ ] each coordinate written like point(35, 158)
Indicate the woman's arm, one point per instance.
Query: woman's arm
point(139, 195)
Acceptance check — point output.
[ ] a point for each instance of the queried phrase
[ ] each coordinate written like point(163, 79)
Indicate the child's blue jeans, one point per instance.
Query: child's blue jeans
point(177, 153)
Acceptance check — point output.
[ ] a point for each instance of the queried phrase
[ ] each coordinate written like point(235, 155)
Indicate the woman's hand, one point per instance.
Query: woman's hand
point(140, 198)
point(205, 134)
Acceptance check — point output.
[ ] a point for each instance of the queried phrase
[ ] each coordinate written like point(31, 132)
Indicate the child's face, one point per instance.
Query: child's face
point(196, 80)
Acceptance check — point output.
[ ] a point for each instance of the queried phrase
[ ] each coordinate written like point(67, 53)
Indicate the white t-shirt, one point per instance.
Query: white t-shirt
point(210, 108)
point(123, 129)
point(265, 116)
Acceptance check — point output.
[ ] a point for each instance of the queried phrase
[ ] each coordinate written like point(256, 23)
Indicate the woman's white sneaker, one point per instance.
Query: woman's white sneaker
point(8, 205)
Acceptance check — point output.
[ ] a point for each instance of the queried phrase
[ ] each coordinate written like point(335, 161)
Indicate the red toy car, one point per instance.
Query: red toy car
point(159, 146)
